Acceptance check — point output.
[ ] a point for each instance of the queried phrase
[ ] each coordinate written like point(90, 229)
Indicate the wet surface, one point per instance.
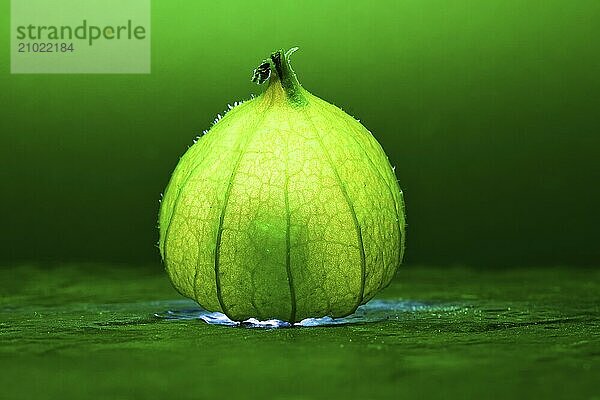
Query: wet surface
point(122, 332)
point(374, 311)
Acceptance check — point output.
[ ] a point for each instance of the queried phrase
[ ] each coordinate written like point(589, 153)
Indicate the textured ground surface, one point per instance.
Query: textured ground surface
point(90, 331)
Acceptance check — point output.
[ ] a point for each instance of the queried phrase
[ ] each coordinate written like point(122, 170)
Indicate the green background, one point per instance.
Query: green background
point(489, 110)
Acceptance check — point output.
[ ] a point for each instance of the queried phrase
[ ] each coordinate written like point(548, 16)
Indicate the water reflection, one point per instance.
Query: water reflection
point(373, 311)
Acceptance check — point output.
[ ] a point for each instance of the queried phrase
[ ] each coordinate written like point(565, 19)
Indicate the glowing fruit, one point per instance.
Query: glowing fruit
point(287, 208)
